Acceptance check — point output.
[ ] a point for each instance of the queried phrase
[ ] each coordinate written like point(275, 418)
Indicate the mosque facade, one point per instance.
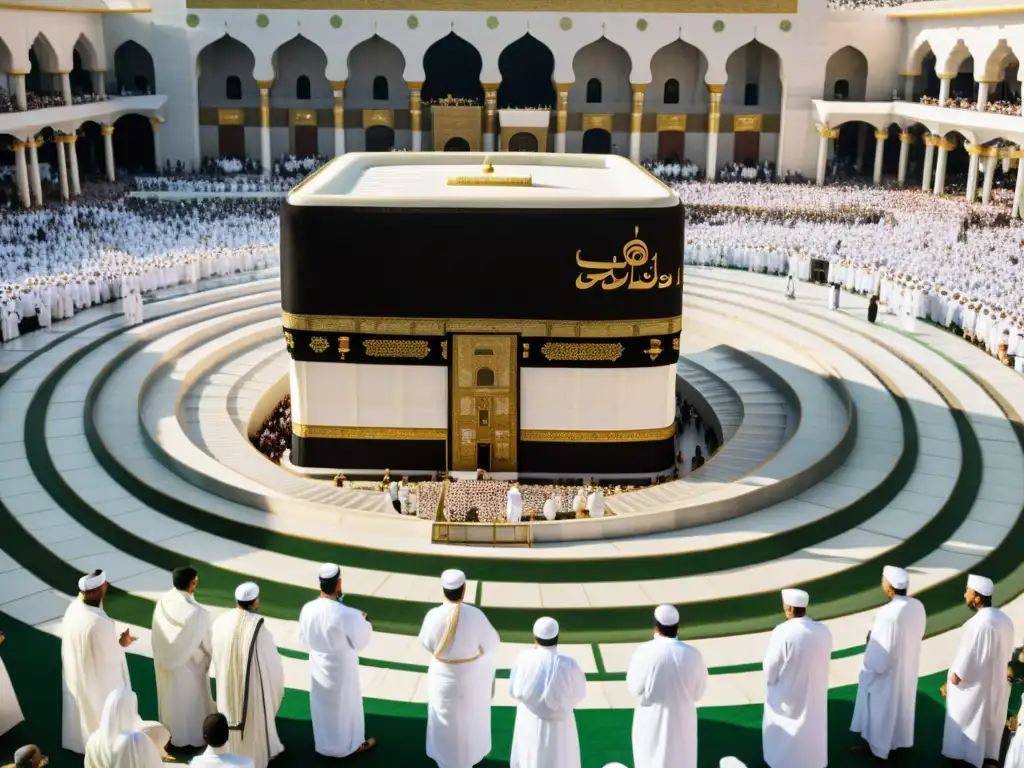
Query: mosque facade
point(711, 81)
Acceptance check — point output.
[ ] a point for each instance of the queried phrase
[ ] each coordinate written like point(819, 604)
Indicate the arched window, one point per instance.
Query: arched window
point(750, 95)
point(302, 88)
point(234, 87)
point(485, 377)
point(671, 91)
point(380, 88)
point(841, 90)
point(593, 91)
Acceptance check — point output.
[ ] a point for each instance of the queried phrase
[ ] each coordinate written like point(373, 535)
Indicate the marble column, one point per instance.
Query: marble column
point(339, 116)
point(65, 88)
point(906, 139)
point(561, 114)
point(108, 151)
point(991, 155)
point(880, 137)
point(819, 174)
point(714, 123)
point(929, 160)
point(944, 82)
point(20, 95)
point(35, 180)
point(636, 121)
point(62, 168)
point(157, 159)
point(909, 80)
point(972, 172)
point(1019, 189)
point(416, 115)
point(490, 115)
point(940, 165)
point(983, 89)
point(76, 185)
point(266, 161)
point(21, 172)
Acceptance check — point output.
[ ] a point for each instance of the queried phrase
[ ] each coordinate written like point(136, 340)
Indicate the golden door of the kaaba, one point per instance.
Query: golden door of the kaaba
point(485, 400)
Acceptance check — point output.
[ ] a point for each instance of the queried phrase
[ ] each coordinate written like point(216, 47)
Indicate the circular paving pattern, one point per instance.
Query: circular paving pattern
point(847, 446)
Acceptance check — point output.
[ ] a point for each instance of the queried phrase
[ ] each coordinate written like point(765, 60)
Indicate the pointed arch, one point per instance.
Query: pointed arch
point(297, 58)
point(6, 57)
point(223, 59)
point(527, 68)
point(846, 75)
point(753, 79)
point(133, 68)
point(683, 65)
point(90, 58)
point(375, 57)
point(609, 65)
point(452, 67)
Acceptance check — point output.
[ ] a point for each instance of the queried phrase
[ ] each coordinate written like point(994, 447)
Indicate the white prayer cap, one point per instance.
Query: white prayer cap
point(981, 584)
point(795, 598)
point(545, 628)
point(453, 579)
point(666, 615)
point(731, 762)
point(898, 577)
point(91, 582)
point(247, 592)
point(329, 571)
point(615, 765)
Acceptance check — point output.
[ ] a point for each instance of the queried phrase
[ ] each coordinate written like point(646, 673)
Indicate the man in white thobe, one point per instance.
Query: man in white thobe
point(887, 689)
point(547, 685)
point(10, 710)
point(668, 677)
point(790, 287)
point(550, 509)
point(514, 505)
point(595, 503)
point(977, 691)
point(182, 651)
point(250, 678)
point(216, 735)
point(334, 634)
point(92, 659)
point(794, 733)
point(460, 679)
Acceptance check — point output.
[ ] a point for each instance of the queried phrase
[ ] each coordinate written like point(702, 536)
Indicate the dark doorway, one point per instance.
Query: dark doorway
point(597, 141)
point(672, 146)
point(380, 138)
point(305, 140)
point(133, 143)
point(456, 144)
point(746, 147)
point(231, 140)
point(89, 148)
point(483, 456)
point(452, 68)
point(522, 142)
point(526, 67)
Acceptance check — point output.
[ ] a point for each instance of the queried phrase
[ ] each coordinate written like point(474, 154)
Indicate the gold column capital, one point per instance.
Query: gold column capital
point(415, 105)
point(19, 146)
point(17, 73)
point(107, 130)
point(638, 87)
point(881, 135)
point(715, 88)
point(828, 133)
point(490, 86)
point(338, 109)
point(636, 116)
point(155, 122)
point(265, 85)
point(910, 74)
point(338, 85)
point(906, 138)
point(945, 76)
point(561, 88)
point(414, 85)
point(264, 106)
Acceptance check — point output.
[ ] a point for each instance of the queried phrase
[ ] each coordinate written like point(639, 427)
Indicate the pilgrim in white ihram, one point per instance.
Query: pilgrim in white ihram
point(460, 679)
point(667, 677)
point(794, 733)
point(334, 634)
point(977, 692)
point(120, 714)
point(250, 678)
point(10, 710)
point(887, 688)
point(514, 505)
point(547, 685)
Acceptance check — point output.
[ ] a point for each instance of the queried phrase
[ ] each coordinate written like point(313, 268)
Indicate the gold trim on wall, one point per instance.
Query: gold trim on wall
point(369, 433)
point(671, 123)
point(230, 117)
point(411, 348)
point(302, 117)
point(568, 350)
point(747, 123)
point(417, 326)
point(385, 117)
point(568, 6)
point(601, 122)
point(596, 436)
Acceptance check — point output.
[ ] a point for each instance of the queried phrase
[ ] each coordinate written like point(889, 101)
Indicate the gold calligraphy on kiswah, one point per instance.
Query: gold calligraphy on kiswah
point(635, 268)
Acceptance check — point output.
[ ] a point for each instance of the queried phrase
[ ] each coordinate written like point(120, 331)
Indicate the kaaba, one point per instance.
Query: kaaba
point(513, 312)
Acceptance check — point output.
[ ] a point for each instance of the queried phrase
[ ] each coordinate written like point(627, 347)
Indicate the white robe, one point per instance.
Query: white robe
point(976, 708)
point(120, 714)
point(595, 504)
point(1015, 753)
point(460, 683)
point(794, 733)
point(218, 758)
point(334, 634)
point(245, 658)
point(547, 685)
point(182, 651)
point(514, 506)
point(94, 664)
point(887, 689)
point(550, 509)
point(10, 710)
point(668, 677)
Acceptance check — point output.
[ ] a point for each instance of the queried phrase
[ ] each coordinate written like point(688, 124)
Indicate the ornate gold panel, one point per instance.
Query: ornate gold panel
point(482, 412)
point(671, 123)
point(230, 117)
point(457, 123)
point(599, 121)
point(747, 123)
point(372, 117)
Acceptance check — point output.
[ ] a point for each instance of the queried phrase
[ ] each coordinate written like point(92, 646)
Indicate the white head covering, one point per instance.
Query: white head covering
point(731, 762)
point(615, 765)
point(453, 579)
point(898, 577)
point(666, 615)
point(247, 592)
point(329, 571)
point(133, 749)
point(545, 628)
point(795, 598)
point(981, 584)
point(90, 582)
point(120, 713)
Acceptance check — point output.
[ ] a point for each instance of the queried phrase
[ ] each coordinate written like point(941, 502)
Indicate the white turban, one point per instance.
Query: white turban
point(981, 584)
point(247, 592)
point(90, 582)
point(666, 615)
point(329, 571)
point(545, 628)
point(731, 762)
point(453, 579)
point(796, 598)
point(898, 577)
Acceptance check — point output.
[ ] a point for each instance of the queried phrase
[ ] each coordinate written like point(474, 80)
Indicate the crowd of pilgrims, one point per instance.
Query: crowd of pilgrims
point(46, 100)
point(960, 102)
point(666, 679)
